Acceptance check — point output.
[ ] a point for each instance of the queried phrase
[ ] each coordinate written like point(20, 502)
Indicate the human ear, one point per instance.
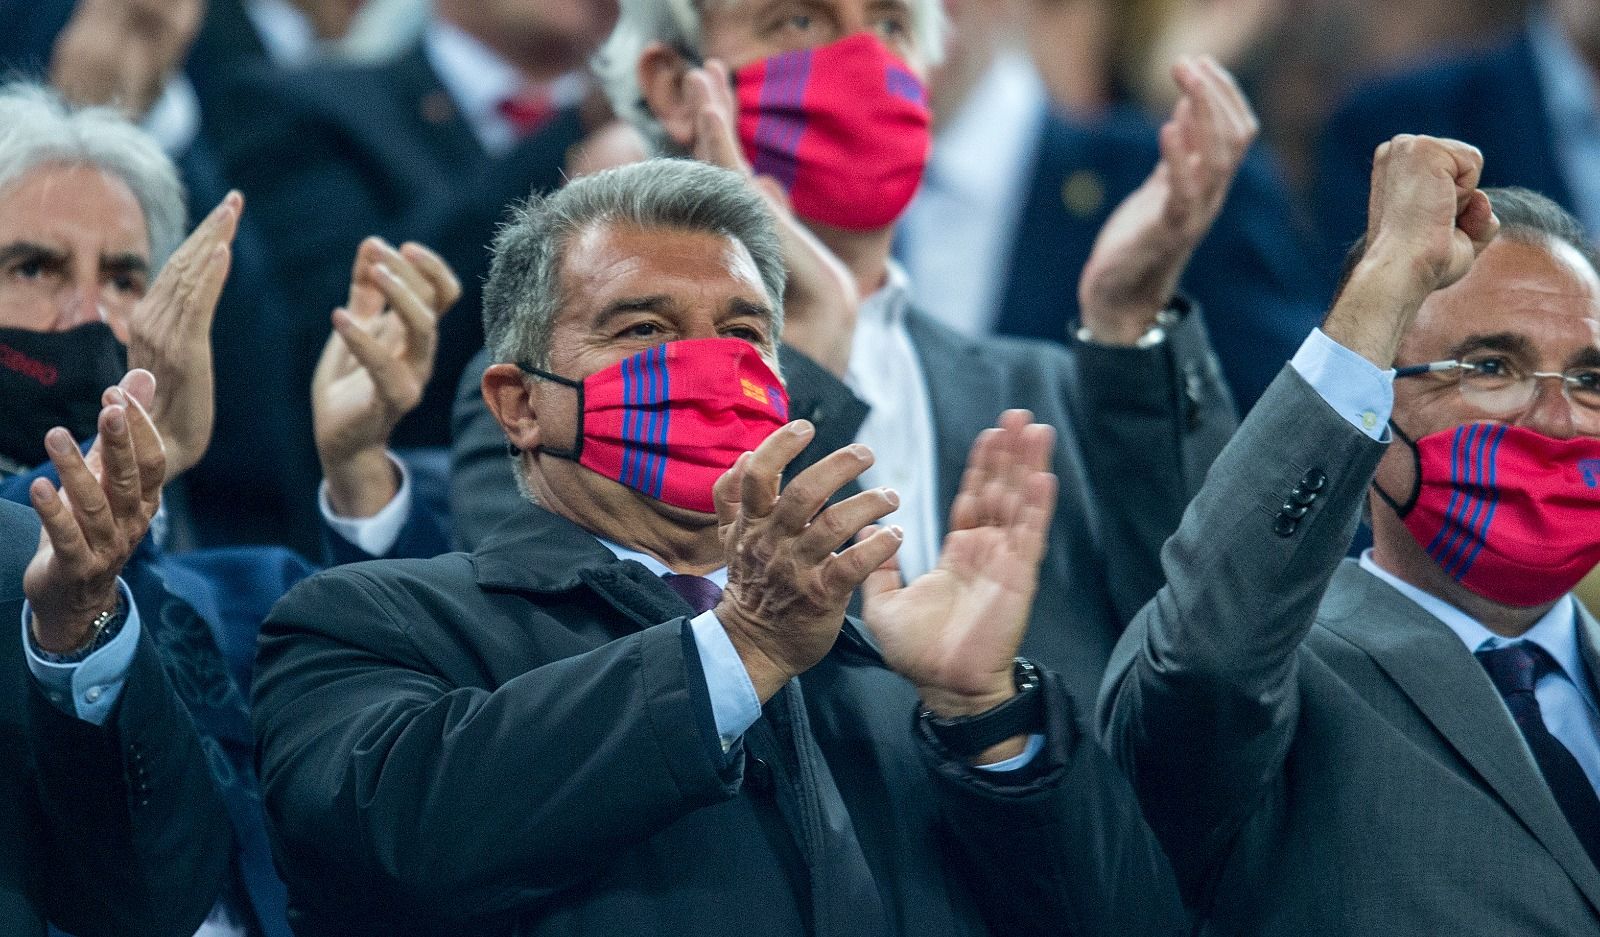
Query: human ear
point(662, 70)
point(505, 391)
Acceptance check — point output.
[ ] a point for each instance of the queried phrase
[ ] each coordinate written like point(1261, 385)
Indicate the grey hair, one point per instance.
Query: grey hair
point(38, 128)
point(523, 296)
point(676, 23)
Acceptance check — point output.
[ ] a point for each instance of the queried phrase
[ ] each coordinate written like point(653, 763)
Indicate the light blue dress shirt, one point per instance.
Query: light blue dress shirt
point(88, 689)
point(1565, 699)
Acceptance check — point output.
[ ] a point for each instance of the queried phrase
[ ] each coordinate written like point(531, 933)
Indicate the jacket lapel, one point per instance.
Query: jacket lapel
point(957, 375)
point(1451, 690)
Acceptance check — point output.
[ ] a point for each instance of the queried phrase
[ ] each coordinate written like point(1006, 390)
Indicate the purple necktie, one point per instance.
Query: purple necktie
point(1515, 670)
point(701, 593)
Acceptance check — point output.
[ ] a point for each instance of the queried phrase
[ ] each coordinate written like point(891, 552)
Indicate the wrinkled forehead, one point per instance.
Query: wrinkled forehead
point(68, 206)
point(1543, 297)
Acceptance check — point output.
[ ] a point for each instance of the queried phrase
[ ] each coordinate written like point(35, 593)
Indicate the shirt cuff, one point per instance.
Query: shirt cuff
point(1354, 387)
point(375, 535)
point(1017, 762)
point(734, 704)
point(90, 688)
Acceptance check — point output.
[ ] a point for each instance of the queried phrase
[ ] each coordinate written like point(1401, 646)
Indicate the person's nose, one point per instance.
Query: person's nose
point(1550, 413)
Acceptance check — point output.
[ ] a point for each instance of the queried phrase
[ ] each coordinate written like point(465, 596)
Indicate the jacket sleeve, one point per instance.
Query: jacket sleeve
point(1201, 698)
point(1149, 422)
point(136, 836)
point(1064, 853)
point(374, 765)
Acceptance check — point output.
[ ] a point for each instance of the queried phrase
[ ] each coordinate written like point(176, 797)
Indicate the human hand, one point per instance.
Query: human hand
point(787, 590)
point(120, 52)
point(94, 522)
point(1141, 252)
point(820, 299)
point(955, 630)
point(374, 367)
point(169, 335)
point(1427, 221)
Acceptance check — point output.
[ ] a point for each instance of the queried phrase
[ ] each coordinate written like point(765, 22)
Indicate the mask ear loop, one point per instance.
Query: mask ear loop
point(575, 454)
point(1416, 476)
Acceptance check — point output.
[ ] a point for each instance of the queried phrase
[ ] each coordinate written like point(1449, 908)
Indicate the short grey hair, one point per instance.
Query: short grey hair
point(523, 296)
point(676, 23)
point(38, 128)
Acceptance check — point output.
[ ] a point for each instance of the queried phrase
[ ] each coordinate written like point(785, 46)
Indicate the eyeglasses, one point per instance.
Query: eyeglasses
point(1499, 386)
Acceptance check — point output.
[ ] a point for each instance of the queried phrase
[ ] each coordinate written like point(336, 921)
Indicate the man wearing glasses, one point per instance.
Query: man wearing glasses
point(1407, 743)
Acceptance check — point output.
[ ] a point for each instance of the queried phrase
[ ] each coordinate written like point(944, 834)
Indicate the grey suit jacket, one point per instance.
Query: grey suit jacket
point(1135, 433)
point(1318, 754)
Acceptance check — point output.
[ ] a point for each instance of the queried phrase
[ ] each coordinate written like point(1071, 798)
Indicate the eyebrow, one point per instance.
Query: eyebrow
point(122, 263)
point(1508, 342)
point(744, 307)
point(622, 307)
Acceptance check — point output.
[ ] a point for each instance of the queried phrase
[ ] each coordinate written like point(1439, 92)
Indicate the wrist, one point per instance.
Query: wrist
point(766, 672)
point(69, 632)
point(997, 732)
point(1375, 307)
point(362, 484)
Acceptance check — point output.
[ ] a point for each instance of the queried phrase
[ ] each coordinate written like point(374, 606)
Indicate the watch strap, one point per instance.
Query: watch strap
point(1023, 714)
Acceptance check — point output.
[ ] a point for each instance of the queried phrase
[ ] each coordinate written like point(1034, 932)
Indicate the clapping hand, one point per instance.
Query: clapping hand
point(375, 366)
point(787, 588)
point(169, 335)
point(954, 631)
point(1141, 252)
point(821, 298)
point(121, 51)
point(96, 519)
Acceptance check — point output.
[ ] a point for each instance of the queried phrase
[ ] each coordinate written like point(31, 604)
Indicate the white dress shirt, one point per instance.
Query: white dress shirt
point(478, 80)
point(886, 374)
point(956, 239)
point(1572, 104)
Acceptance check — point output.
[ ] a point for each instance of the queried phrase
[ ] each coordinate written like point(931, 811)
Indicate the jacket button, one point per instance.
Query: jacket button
point(1314, 480)
point(757, 775)
point(1302, 496)
point(1285, 526)
point(1293, 510)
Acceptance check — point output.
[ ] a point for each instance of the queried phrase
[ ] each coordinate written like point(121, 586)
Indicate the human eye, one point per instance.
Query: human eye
point(644, 329)
point(749, 333)
point(1585, 382)
point(1488, 367)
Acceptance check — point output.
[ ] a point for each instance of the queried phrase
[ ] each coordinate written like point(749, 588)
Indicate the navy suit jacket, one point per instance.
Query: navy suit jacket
point(1490, 99)
point(336, 153)
point(1254, 274)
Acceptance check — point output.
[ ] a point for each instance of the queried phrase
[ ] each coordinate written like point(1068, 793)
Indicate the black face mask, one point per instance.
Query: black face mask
point(50, 379)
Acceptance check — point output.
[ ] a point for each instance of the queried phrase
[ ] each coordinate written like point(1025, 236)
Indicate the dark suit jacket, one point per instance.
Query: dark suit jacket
point(1490, 99)
point(1328, 759)
point(1255, 274)
point(201, 613)
point(519, 740)
point(114, 830)
point(1135, 433)
point(336, 153)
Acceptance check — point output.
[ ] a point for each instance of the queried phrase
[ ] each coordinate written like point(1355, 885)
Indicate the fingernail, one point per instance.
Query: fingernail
point(116, 420)
point(860, 451)
point(898, 532)
point(890, 495)
point(800, 428)
point(383, 269)
point(59, 441)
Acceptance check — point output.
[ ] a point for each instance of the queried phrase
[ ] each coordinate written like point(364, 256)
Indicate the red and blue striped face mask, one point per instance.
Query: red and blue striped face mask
point(1511, 514)
point(844, 128)
point(670, 420)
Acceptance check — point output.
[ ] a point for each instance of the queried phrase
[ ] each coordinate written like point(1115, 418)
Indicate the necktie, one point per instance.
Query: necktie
point(527, 111)
point(1515, 670)
point(699, 592)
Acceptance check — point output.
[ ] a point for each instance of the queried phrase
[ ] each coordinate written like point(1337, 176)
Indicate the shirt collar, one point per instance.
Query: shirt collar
point(478, 79)
point(1568, 83)
point(1556, 631)
point(285, 32)
point(719, 576)
point(995, 126)
point(888, 304)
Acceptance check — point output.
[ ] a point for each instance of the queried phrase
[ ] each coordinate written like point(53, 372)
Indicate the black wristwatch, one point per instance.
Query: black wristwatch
point(1023, 714)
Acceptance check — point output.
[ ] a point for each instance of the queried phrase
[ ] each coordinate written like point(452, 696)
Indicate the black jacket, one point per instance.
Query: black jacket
point(114, 830)
point(520, 741)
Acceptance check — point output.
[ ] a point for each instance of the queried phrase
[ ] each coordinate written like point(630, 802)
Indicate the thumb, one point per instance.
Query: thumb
point(884, 580)
point(141, 386)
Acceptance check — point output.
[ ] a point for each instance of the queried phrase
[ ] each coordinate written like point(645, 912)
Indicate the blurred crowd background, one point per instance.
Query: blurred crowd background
point(334, 120)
